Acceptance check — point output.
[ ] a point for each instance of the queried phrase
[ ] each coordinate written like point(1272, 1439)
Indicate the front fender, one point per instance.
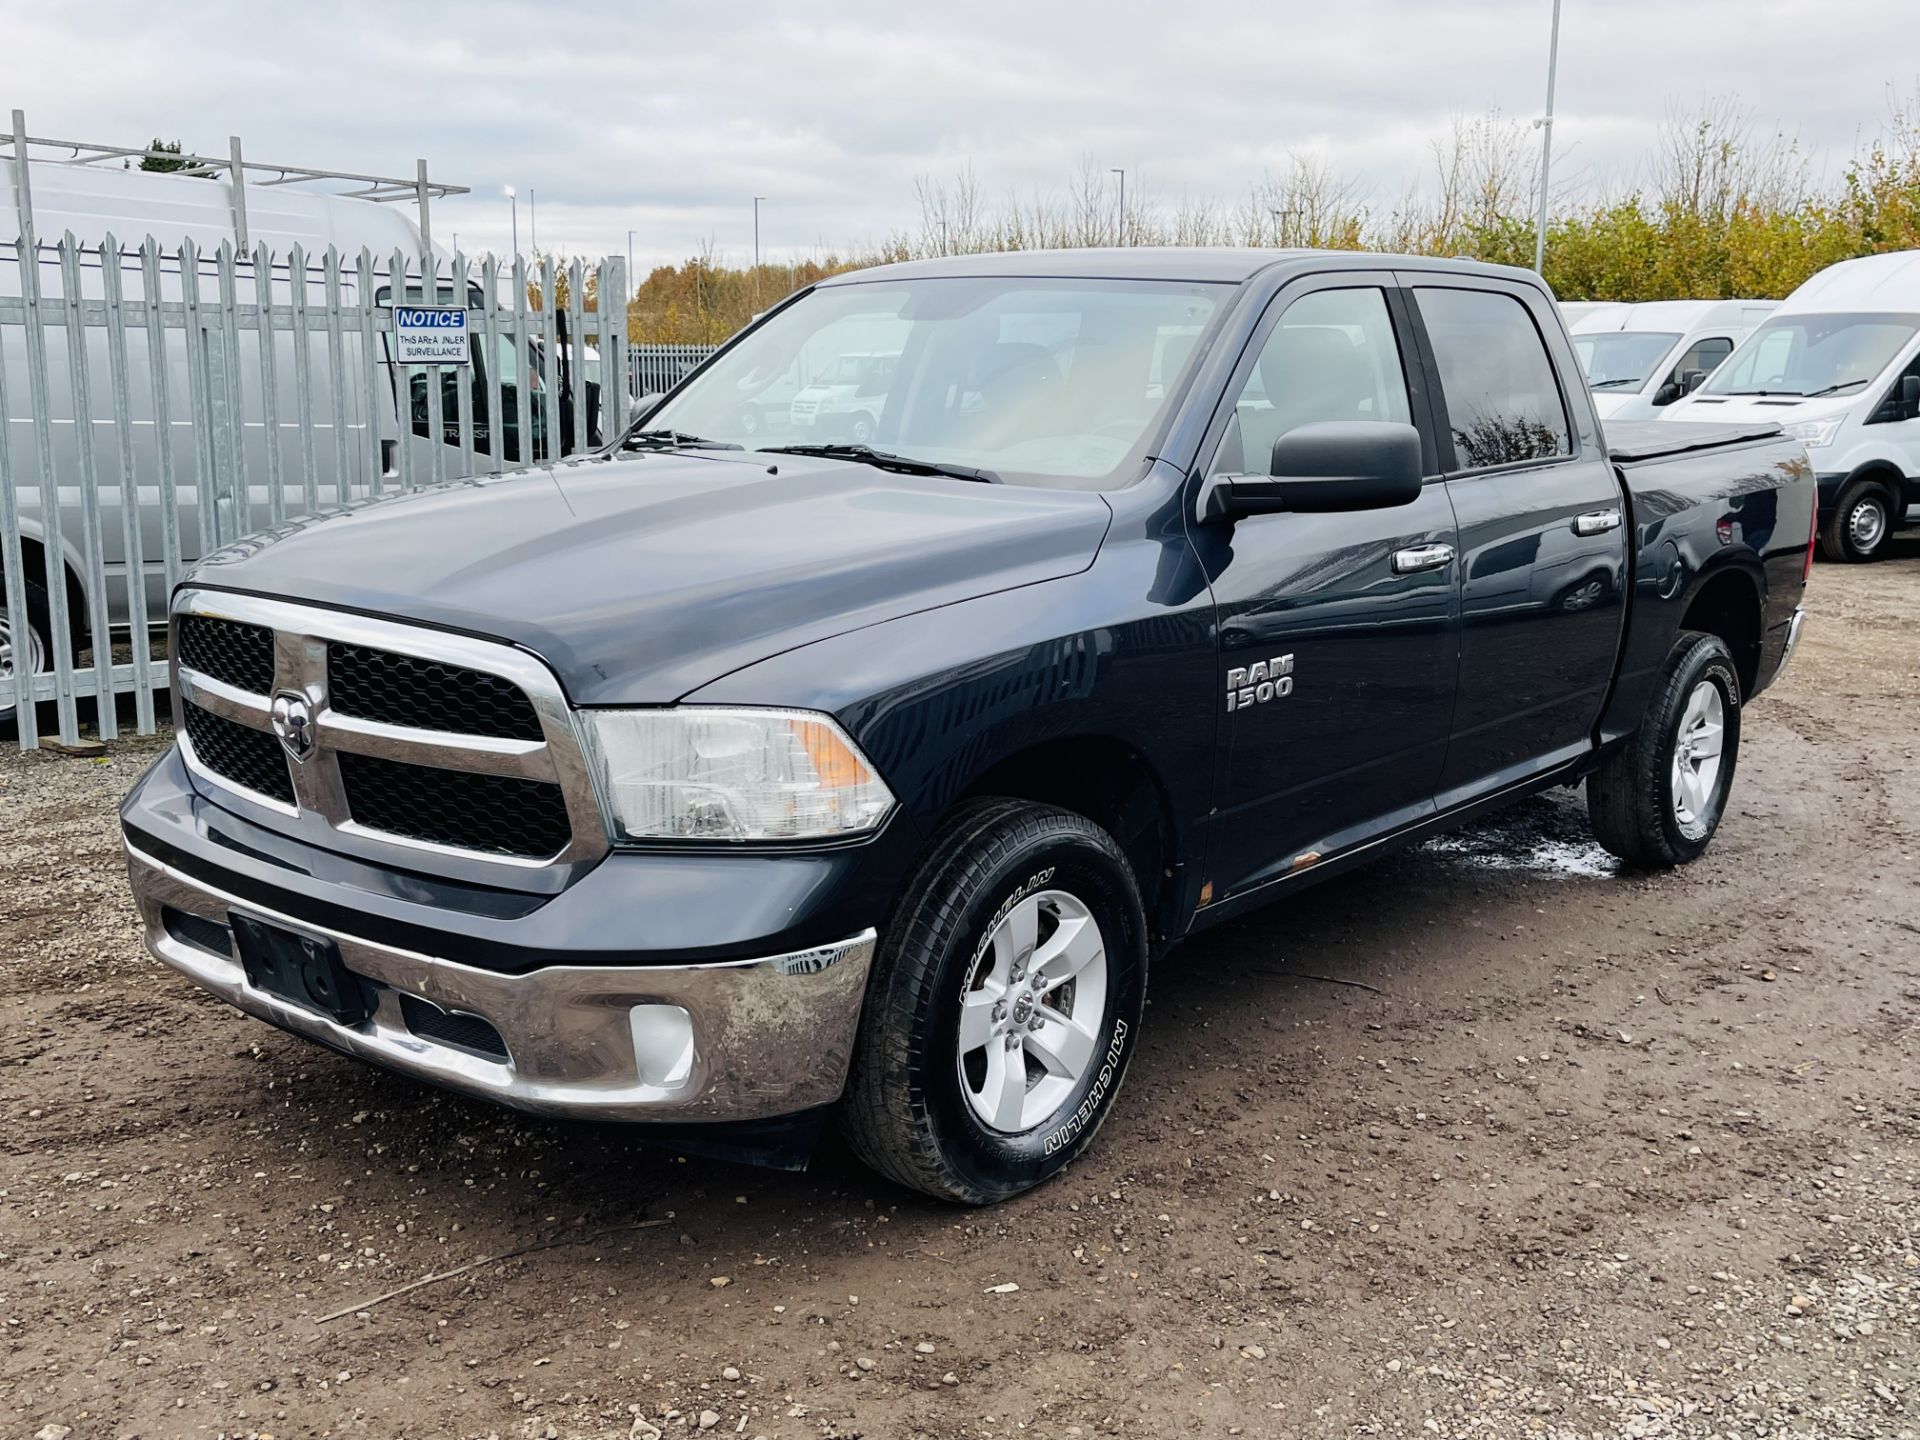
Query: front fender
point(938, 698)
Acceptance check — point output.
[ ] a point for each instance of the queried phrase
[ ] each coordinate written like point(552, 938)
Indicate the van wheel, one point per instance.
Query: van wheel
point(25, 646)
point(1860, 523)
point(1657, 800)
point(861, 429)
point(1004, 1005)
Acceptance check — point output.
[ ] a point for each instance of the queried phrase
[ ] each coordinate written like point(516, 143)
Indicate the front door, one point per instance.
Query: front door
point(1543, 534)
point(1337, 633)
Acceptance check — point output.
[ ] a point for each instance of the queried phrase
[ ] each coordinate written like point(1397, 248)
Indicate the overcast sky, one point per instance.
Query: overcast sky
point(668, 118)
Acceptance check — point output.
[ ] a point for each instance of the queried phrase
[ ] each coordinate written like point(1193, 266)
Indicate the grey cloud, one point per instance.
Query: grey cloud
point(666, 119)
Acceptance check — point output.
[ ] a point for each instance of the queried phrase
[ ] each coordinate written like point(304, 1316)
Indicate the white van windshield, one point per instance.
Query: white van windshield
point(1038, 381)
point(1814, 355)
point(1617, 359)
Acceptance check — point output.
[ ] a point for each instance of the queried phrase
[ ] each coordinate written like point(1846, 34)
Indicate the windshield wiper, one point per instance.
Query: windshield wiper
point(1612, 384)
point(672, 440)
point(1839, 386)
point(882, 460)
point(1777, 394)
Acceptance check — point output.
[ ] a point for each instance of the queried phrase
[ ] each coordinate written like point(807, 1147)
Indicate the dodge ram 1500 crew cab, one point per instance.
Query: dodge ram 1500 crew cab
point(733, 782)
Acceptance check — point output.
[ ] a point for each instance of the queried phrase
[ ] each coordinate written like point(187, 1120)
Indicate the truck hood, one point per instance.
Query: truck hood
point(639, 579)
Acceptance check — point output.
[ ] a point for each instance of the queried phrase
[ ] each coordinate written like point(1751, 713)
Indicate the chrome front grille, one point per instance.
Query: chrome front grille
point(368, 734)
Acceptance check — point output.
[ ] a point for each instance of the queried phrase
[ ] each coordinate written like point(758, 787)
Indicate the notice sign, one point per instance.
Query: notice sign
point(430, 337)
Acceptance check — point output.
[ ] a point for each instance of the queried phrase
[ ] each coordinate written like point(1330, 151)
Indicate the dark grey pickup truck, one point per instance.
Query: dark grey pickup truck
point(745, 775)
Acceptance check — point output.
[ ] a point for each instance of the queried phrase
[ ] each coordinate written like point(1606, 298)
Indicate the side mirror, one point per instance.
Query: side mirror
point(1692, 380)
point(1910, 395)
point(1329, 466)
point(1667, 394)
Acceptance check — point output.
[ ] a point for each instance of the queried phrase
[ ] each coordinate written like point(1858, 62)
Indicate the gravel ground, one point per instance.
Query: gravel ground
point(1594, 1155)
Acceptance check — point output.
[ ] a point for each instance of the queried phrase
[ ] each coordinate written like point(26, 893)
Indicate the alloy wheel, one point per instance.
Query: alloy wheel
point(1697, 759)
point(1030, 1014)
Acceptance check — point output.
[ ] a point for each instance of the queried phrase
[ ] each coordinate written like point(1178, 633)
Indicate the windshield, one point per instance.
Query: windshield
point(1813, 355)
point(1615, 359)
point(1045, 382)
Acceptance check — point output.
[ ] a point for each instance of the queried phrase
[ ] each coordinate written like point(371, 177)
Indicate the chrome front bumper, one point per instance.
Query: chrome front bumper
point(770, 1037)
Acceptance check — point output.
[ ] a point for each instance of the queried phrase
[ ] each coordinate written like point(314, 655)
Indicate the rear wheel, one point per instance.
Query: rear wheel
point(1860, 523)
point(1003, 1008)
point(1657, 800)
point(25, 646)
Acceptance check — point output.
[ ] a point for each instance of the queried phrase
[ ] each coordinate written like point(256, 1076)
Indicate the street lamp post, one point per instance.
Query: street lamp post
point(1120, 219)
point(1546, 146)
point(630, 260)
point(533, 223)
point(513, 199)
point(756, 249)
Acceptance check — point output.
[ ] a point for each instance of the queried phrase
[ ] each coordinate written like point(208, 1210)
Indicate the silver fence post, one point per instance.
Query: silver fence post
point(463, 391)
point(370, 377)
point(420, 192)
point(156, 318)
point(132, 544)
point(550, 360)
point(523, 396)
point(200, 401)
point(269, 389)
point(577, 358)
point(237, 174)
point(490, 333)
point(94, 580)
point(337, 377)
point(436, 410)
point(402, 381)
point(303, 373)
point(235, 512)
point(13, 573)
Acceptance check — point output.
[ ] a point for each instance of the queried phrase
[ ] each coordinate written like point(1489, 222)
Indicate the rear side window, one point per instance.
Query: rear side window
point(1503, 406)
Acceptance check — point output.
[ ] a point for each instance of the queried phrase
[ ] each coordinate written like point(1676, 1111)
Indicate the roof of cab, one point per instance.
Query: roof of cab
point(1218, 265)
point(1678, 316)
point(1871, 283)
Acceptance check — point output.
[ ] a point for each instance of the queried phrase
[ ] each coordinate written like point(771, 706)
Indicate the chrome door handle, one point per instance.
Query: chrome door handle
point(1416, 558)
point(1596, 522)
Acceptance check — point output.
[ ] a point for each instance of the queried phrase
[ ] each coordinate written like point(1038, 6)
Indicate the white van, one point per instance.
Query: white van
point(1639, 359)
point(1838, 364)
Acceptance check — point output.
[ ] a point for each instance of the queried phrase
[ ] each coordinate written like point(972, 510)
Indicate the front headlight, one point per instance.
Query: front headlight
point(704, 773)
point(1815, 433)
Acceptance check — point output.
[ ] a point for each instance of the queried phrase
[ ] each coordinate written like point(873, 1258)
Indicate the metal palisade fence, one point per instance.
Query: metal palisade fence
point(656, 369)
point(156, 404)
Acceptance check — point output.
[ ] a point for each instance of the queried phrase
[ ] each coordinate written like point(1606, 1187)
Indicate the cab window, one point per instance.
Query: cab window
point(1333, 356)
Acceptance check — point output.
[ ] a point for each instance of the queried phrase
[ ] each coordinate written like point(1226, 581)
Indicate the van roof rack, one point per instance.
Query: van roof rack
point(382, 189)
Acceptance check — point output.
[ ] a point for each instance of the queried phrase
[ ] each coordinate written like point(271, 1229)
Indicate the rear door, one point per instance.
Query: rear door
point(1337, 632)
point(1543, 533)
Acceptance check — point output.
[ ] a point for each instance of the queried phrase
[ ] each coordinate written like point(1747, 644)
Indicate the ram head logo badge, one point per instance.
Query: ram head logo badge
point(293, 723)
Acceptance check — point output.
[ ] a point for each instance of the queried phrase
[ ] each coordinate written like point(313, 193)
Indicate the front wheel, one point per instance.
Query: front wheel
point(1657, 800)
point(1004, 1006)
point(1860, 524)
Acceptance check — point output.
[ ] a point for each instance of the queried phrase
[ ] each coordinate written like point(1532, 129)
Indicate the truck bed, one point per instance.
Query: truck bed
point(1633, 442)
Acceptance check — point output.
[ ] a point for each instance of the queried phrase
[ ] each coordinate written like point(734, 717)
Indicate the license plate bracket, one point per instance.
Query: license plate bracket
point(304, 970)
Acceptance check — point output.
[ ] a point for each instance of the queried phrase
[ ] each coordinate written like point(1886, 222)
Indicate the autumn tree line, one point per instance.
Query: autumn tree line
point(1724, 209)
